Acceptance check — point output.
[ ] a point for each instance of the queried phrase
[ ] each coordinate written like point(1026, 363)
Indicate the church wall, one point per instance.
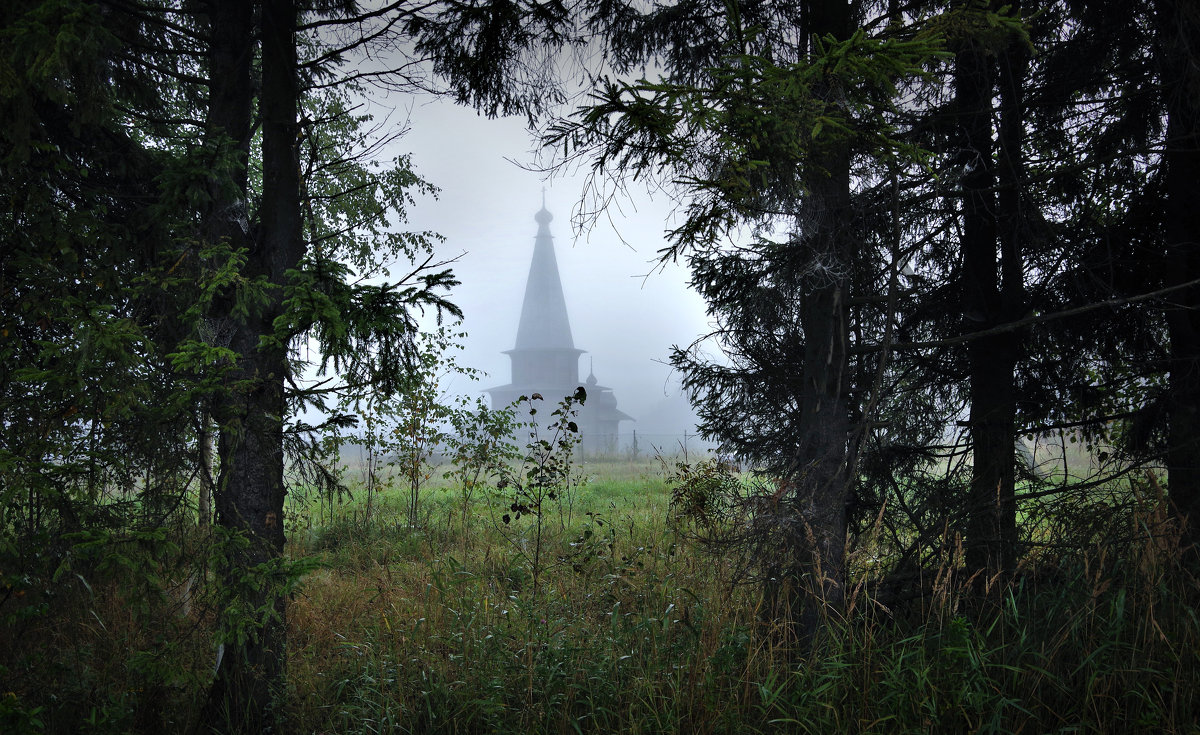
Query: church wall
point(545, 367)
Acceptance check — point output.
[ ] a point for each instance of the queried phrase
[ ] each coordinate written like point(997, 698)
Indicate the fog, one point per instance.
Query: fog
point(624, 310)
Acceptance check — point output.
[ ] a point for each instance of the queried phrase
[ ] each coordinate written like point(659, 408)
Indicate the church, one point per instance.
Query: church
point(545, 359)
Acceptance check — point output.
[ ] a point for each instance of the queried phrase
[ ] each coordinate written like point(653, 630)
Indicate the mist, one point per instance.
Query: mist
point(625, 310)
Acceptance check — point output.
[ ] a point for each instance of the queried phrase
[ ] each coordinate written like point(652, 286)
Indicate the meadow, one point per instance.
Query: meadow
point(601, 613)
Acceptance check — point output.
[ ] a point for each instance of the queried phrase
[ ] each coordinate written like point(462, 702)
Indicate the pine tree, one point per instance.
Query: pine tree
point(1178, 35)
point(758, 135)
point(177, 226)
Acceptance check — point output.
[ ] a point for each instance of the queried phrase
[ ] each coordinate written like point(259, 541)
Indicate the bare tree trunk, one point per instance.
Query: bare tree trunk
point(1014, 230)
point(204, 511)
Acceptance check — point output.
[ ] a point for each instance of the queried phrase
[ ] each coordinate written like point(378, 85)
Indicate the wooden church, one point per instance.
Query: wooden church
point(545, 359)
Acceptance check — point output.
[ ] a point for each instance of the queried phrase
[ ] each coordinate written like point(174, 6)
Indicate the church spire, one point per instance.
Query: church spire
point(545, 361)
point(544, 324)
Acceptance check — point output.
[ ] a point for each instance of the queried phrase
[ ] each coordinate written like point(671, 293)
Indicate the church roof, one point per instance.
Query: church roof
point(545, 359)
point(601, 399)
point(544, 324)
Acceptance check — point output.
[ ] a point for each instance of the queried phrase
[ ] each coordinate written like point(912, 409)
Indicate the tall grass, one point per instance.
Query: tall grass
point(437, 627)
point(636, 630)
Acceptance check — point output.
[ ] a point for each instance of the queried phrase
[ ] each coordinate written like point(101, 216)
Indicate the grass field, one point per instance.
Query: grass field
point(614, 622)
point(630, 627)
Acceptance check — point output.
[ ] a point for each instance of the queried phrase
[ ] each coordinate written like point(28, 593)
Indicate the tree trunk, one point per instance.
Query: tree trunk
point(991, 520)
point(819, 484)
point(227, 137)
point(1013, 224)
point(247, 694)
point(1179, 34)
point(204, 512)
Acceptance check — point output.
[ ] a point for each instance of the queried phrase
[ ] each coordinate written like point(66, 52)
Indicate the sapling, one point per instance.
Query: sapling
point(480, 449)
point(404, 433)
point(545, 475)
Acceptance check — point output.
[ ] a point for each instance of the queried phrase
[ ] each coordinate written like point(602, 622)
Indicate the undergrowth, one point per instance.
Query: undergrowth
point(637, 630)
point(441, 628)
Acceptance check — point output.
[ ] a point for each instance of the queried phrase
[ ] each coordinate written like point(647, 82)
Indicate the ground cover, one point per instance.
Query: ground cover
point(635, 628)
point(627, 625)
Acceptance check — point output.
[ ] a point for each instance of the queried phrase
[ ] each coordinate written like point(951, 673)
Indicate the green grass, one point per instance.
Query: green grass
point(630, 628)
point(634, 629)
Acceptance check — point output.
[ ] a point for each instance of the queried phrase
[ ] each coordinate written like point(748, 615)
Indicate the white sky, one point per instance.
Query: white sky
point(626, 322)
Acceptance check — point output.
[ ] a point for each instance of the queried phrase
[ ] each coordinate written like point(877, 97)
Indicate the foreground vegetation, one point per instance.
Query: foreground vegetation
point(633, 626)
point(922, 231)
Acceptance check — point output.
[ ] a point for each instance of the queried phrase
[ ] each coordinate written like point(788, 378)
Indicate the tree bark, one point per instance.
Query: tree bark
point(820, 487)
point(227, 137)
point(1013, 224)
point(992, 291)
point(248, 690)
point(1179, 68)
point(204, 510)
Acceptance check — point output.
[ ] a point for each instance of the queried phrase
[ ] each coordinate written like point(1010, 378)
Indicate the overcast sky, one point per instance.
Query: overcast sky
point(626, 321)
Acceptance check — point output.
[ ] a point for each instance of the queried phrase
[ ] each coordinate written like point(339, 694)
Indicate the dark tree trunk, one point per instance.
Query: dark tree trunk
point(819, 477)
point(226, 219)
point(1179, 37)
point(250, 505)
point(247, 694)
point(1015, 233)
point(989, 285)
